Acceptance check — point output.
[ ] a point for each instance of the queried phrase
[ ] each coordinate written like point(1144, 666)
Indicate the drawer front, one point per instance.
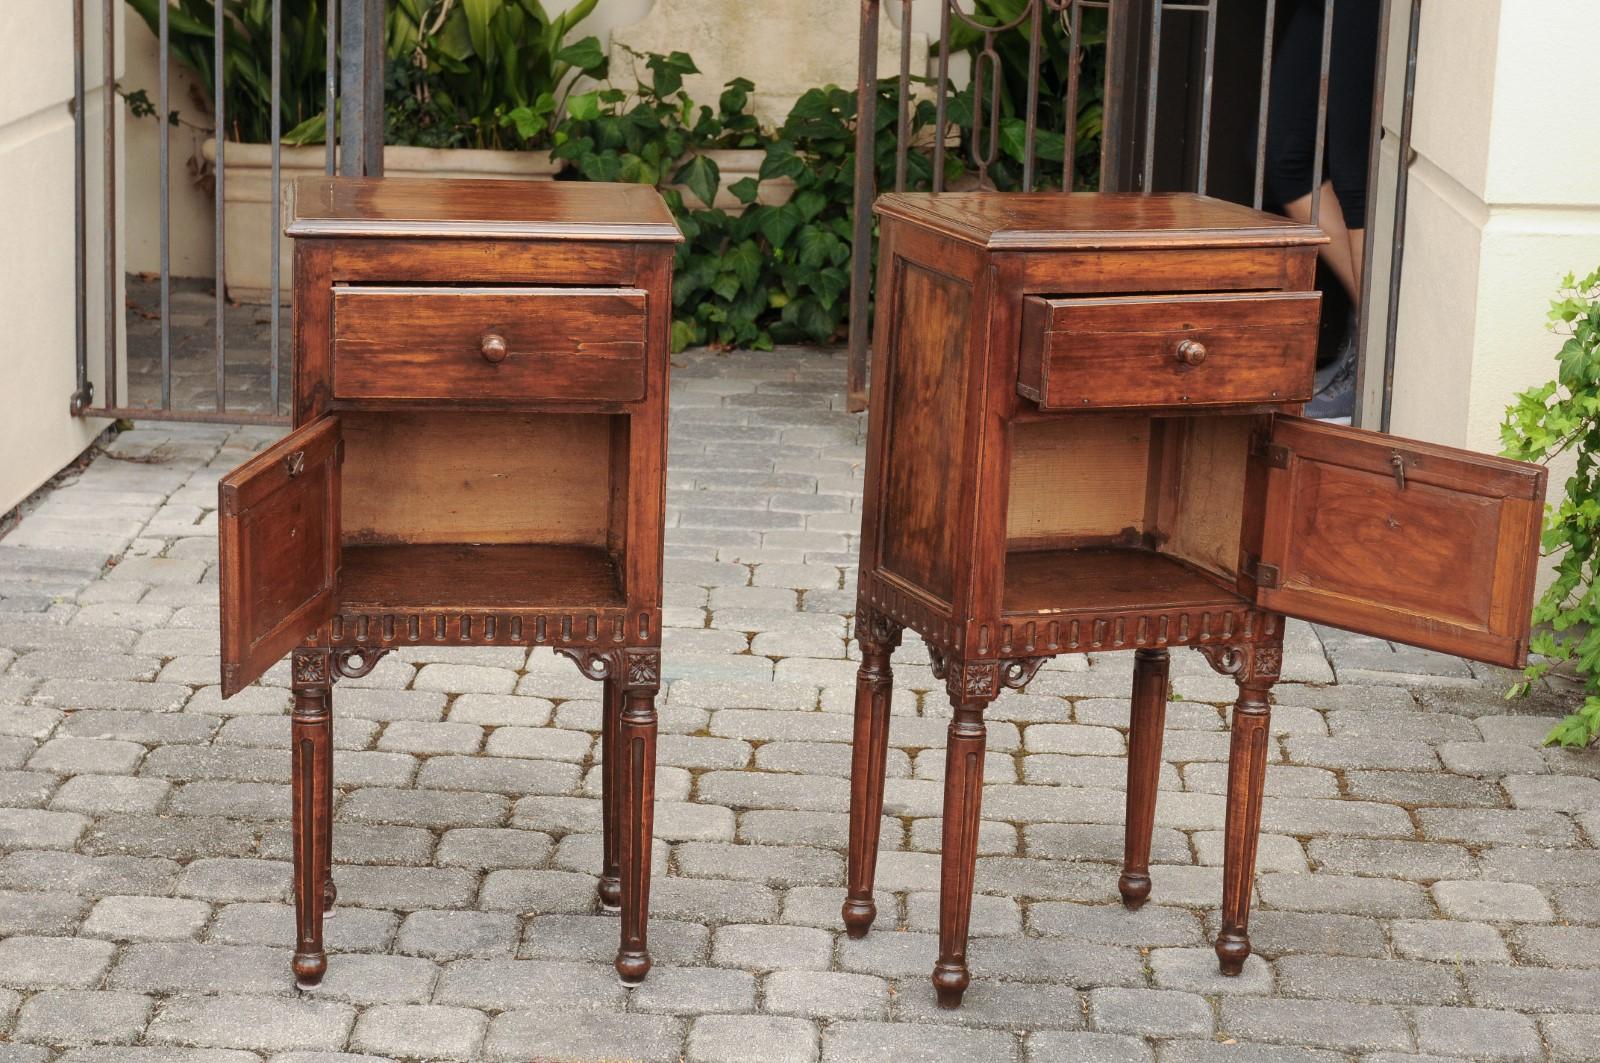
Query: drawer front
point(1168, 350)
point(488, 345)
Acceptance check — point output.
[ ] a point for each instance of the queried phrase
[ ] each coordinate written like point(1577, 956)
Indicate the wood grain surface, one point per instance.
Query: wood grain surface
point(488, 345)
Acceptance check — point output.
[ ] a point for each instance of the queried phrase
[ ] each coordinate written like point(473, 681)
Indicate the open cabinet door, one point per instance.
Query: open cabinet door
point(1409, 541)
point(278, 523)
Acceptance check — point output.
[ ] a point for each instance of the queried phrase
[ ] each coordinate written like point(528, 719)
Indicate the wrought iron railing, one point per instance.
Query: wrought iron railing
point(1137, 50)
point(355, 61)
point(1137, 150)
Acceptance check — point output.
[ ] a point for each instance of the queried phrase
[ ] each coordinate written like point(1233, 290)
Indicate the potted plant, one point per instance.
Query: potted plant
point(471, 90)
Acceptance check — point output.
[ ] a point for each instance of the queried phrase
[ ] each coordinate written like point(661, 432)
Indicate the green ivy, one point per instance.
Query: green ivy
point(771, 273)
point(1562, 416)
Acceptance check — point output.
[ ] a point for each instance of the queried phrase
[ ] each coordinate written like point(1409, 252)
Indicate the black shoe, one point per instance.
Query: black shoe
point(1335, 395)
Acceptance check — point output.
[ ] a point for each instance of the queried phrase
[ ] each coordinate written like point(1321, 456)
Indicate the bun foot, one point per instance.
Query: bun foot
point(1232, 951)
point(610, 893)
point(1135, 889)
point(632, 967)
point(950, 984)
point(309, 967)
point(858, 916)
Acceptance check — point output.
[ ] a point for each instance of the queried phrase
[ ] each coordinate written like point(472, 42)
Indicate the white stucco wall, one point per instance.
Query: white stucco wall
point(37, 434)
point(1504, 200)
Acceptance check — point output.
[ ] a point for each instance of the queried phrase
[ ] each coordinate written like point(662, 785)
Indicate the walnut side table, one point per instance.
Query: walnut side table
point(1083, 438)
point(480, 390)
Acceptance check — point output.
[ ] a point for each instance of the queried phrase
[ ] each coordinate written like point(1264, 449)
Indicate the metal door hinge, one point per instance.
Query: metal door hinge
point(1276, 455)
point(1268, 576)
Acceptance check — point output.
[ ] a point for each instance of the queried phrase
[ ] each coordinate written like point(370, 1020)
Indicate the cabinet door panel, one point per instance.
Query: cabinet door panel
point(1409, 541)
point(278, 524)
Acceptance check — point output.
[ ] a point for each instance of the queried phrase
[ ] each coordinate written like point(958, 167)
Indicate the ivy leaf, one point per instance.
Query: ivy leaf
point(778, 223)
point(667, 71)
point(746, 261)
point(817, 246)
point(702, 177)
point(584, 107)
point(781, 161)
point(736, 96)
point(745, 189)
point(586, 55)
point(685, 334)
point(811, 203)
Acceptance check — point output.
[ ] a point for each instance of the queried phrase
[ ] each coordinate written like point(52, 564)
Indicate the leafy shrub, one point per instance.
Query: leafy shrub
point(773, 273)
point(1557, 417)
point(479, 74)
point(247, 59)
point(1055, 58)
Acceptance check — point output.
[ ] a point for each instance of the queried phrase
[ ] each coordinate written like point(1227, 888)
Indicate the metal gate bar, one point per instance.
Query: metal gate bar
point(361, 132)
point(1134, 44)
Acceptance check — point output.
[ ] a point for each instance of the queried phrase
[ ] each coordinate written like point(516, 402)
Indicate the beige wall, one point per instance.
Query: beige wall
point(37, 434)
point(1504, 200)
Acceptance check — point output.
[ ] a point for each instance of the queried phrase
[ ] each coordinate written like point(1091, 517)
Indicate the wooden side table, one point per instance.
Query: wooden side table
point(1084, 438)
point(477, 460)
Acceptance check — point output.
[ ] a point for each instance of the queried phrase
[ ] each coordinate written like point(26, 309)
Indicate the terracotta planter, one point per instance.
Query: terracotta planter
point(247, 198)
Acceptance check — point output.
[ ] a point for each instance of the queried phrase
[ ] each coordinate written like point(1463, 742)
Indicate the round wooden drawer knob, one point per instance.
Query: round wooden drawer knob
point(1191, 352)
point(494, 348)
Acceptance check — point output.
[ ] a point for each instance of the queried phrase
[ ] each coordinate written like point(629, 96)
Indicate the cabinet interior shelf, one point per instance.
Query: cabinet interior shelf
point(1108, 579)
point(478, 578)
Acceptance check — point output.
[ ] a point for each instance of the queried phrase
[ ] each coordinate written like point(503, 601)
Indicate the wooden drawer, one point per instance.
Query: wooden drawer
point(489, 345)
point(1168, 350)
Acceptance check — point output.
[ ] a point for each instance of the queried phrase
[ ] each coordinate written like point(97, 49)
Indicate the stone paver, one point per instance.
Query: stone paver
point(1427, 884)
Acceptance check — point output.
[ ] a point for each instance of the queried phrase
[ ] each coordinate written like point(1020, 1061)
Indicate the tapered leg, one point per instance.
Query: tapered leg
point(869, 757)
point(1247, 775)
point(610, 790)
point(1145, 729)
point(963, 802)
point(636, 738)
point(311, 773)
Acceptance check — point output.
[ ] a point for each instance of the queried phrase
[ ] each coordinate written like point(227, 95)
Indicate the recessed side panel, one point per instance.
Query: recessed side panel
point(1078, 481)
point(926, 413)
point(279, 543)
point(1422, 544)
point(1206, 522)
point(451, 476)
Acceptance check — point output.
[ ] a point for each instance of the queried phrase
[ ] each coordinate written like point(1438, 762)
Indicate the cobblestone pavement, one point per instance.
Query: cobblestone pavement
point(1429, 883)
point(247, 328)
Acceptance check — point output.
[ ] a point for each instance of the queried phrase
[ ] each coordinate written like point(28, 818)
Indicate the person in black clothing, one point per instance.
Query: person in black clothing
point(1291, 152)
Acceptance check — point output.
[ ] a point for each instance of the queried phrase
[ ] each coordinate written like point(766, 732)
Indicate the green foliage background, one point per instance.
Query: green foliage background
point(1559, 417)
point(499, 74)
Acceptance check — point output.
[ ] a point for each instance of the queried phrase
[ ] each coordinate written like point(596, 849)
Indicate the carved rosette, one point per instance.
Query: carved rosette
point(638, 667)
point(1250, 664)
point(642, 668)
point(310, 668)
point(974, 680)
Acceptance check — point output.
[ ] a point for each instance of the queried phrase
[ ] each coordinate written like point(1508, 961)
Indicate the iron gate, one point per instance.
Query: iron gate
point(1154, 136)
point(1150, 141)
point(354, 92)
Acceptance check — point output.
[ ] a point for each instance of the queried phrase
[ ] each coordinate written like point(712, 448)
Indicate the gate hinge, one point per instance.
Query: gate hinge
point(1267, 576)
point(81, 399)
